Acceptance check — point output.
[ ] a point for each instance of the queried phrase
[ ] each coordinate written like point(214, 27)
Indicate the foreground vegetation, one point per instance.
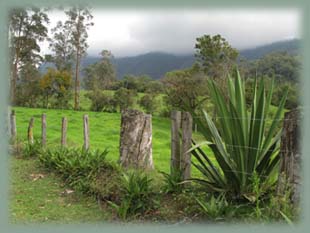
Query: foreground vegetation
point(43, 191)
point(236, 182)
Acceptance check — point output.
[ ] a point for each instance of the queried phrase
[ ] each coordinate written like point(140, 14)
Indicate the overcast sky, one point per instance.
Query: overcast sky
point(128, 33)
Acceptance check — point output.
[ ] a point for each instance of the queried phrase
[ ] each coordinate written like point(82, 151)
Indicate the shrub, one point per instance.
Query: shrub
point(172, 182)
point(124, 98)
point(293, 94)
point(241, 143)
point(137, 195)
point(101, 102)
point(215, 208)
point(77, 167)
point(149, 103)
point(32, 150)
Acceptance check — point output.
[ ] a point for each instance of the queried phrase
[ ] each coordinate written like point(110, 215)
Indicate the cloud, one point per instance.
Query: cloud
point(129, 32)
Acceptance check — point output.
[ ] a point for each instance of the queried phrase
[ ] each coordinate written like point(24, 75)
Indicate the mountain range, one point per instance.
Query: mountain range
point(156, 64)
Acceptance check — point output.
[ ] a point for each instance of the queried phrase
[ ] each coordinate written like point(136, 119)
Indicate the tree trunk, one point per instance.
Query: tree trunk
point(290, 161)
point(136, 140)
point(13, 83)
point(77, 82)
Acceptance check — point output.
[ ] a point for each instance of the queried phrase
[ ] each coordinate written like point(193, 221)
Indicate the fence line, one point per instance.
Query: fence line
point(86, 134)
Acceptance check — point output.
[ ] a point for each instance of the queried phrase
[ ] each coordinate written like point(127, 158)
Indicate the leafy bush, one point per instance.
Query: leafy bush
point(172, 182)
point(241, 142)
point(57, 84)
point(124, 97)
point(32, 150)
point(215, 208)
point(293, 94)
point(101, 101)
point(138, 194)
point(149, 103)
point(77, 167)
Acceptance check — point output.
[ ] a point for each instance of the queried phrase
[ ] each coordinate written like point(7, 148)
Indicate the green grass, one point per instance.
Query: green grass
point(104, 132)
point(43, 200)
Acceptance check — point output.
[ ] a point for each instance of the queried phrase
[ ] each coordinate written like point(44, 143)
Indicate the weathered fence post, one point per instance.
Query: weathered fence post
point(13, 125)
point(136, 140)
point(64, 132)
point(181, 124)
point(30, 131)
point(175, 142)
point(43, 132)
point(86, 132)
point(187, 124)
point(290, 160)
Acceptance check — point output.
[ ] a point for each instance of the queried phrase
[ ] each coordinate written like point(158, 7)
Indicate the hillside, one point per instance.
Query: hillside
point(290, 46)
point(156, 64)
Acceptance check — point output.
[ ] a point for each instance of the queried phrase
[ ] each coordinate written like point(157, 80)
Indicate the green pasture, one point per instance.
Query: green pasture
point(104, 131)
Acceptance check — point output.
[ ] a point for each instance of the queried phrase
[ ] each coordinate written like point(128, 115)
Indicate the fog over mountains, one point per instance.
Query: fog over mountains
point(156, 64)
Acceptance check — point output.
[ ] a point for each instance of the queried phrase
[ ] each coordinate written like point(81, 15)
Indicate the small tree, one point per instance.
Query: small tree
point(100, 74)
point(124, 98)
point(56, 84)
point(184, 88)
point(149, 103)
point(62, 47)
point(215, 56)
point(79, 21)
point(101, 101)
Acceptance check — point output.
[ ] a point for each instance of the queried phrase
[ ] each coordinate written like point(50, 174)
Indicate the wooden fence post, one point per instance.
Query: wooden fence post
point(43, 132)
point(290, 160)
point(86, 132)
point(136, 140)
point(175, 142)
point(30, 131)
point(13, 125)
point(64, 132)
point(187, 124)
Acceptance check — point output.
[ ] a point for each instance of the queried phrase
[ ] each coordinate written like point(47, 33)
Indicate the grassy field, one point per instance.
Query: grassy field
point(40, 196)
point(104, 131)
point(37, 196)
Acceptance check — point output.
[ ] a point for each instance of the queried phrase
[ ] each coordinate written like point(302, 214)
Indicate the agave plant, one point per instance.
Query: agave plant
point(240, 141)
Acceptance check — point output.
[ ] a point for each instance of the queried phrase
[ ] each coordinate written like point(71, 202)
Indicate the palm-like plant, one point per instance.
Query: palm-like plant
point(240, 141)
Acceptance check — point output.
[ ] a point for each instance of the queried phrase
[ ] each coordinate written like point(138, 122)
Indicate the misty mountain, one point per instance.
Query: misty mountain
point(290, 46)
point(153, 64)
point(156, 64)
